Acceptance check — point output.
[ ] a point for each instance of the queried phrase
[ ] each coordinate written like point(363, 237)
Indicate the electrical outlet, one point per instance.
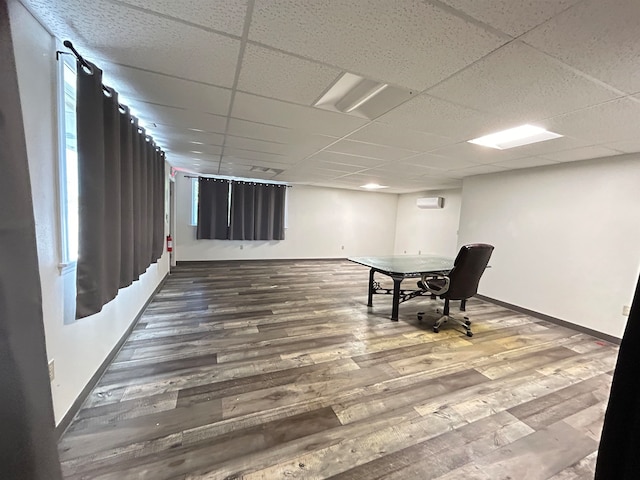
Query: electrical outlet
point(342, 247)
point(241, 247)
point(419, 252)
point(52, 371)
point(626, 309)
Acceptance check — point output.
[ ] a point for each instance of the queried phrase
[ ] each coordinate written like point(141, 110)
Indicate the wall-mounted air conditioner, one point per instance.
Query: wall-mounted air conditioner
point(430, 202)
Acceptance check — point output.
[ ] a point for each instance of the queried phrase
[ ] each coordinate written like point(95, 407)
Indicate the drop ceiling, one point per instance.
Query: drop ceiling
point(227, 87)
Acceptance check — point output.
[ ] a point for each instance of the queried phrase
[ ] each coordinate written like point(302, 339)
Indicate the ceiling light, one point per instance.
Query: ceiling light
point(366, 97)
point(515, 137)
point(195, 151)
point(373, 186)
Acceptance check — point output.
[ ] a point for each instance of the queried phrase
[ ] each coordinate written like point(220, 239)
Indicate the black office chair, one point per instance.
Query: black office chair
point(460, 284)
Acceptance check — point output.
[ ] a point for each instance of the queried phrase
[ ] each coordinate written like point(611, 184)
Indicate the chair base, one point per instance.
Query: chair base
point(464, 323)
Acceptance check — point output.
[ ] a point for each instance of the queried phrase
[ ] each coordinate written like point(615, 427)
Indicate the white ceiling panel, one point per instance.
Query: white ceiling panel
point(133, 84)
point(583, 153)
point(566, 65)
point(240, 154)
point(274, 112)
point(526, 162)
point(440, 117)
point(178, 117)
point(342, 158)
point(118, 34)
point(408, 43)
point(385, 134)
point(271, 133)
point(510, 83)
point(513, 17)
point(222, 15)
point(597, 37)
point(278, 75)
point(477, 153)
point(439, 162)
point(606, 123)
point(370, 150)
point(477, 170)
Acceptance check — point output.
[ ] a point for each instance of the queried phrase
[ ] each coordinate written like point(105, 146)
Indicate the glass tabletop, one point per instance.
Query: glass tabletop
point(407, 264)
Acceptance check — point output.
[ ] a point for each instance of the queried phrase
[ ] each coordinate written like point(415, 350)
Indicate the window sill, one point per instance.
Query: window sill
point(65, 268)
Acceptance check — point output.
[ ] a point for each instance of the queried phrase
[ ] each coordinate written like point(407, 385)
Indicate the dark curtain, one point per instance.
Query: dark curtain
point(213, 207)
point(121, 195)
point(92, 286)
point(126, 199)
point(618, 456)
point(257, 211)
point(27, 441)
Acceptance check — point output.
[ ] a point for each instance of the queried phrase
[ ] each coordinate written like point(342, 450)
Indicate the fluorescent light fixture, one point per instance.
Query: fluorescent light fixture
point(373, 186)
point(515, 137)
point(366, 97)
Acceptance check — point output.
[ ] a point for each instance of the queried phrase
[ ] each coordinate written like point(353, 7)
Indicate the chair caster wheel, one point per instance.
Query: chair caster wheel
point(436, 329)
point(467, 322)
point(420, 317)
point(469, 333)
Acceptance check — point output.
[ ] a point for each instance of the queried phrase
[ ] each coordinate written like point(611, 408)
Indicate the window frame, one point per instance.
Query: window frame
point(67, 262)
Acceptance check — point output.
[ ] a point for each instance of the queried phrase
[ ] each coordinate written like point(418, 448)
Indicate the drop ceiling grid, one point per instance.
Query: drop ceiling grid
point(294, 50)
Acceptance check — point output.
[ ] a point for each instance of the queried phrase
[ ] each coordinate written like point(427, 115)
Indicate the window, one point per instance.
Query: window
point(68, 164)
point(194, 201)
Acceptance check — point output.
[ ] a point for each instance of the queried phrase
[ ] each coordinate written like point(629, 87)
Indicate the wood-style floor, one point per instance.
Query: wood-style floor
point(278, 370)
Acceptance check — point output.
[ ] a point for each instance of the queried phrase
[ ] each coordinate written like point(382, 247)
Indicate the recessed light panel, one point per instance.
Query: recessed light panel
point(515, 137)
point(373, 186)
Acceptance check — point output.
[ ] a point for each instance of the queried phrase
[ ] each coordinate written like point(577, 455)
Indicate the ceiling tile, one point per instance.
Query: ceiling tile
point(477, 170)
point(511, 81)
point(439, 162)
point(118, 34)
point(440, 117)
point(191, 149)
point(370, 150)
point(583, 153)
point(626, 146)
point(178, 117)
point(345, 159)
point(385, 134)
point(513, 17)
point(477, 153)
point(408, 43)
point(133, 84)
point(285, 77)
point(274, 112)
point(237, 153)
point(605, 123)
point(597, 37)
point(526, 162)
point(222, 15)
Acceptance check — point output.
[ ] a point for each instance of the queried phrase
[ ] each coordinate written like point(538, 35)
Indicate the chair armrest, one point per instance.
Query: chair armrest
point(434, 291)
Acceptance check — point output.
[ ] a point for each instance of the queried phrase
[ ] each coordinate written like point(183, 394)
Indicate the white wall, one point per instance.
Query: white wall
point(567, 238)
point(78, 347)
point(420, 231)
point(320, 222)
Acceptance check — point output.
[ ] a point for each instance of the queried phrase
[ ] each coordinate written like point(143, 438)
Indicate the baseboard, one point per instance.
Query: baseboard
point(185, 263)
point(75, 408)
point(557, 321)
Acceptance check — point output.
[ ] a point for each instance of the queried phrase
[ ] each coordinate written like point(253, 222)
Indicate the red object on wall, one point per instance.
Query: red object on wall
point(169, 243)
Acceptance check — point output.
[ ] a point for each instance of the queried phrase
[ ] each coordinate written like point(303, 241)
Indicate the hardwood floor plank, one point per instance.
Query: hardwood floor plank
point(278, 369)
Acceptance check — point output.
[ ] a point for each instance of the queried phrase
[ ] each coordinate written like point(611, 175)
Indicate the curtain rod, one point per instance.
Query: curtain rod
point(246, 180)
point(85, 64)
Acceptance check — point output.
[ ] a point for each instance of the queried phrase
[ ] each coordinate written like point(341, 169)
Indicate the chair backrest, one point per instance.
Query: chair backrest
point(468, 267)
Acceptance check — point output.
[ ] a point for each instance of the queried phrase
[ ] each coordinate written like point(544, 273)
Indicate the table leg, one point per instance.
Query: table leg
point(396, 298)
point(370, 301)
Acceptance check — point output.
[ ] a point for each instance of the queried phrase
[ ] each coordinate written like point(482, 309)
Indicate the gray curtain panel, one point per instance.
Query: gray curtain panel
point(126, 199)
point(121, 195)
point(257, 211)
point(213, 207)
point(27, 441)
point(92, 286)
